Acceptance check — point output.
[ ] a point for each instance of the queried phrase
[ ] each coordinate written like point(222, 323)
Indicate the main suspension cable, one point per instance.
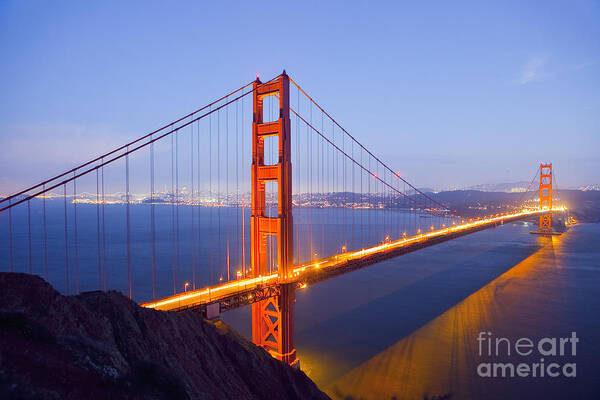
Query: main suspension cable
point(374, 175)
point(115, 158)
point(364, 148)
point(121, 147)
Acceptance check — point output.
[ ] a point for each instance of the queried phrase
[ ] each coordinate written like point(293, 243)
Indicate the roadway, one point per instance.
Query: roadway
point(247, 290)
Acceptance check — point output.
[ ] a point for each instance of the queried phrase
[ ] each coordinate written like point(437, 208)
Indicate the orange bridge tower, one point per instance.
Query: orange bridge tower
point(273, 318)
point(546, 198)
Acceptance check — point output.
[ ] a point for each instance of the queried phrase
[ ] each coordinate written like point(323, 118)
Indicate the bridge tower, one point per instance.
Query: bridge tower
point(546, 198)
point(273, 318)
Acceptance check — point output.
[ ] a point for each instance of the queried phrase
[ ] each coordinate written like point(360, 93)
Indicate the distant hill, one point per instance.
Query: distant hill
point(584, 205)
point(589, 187)
point(512, 187)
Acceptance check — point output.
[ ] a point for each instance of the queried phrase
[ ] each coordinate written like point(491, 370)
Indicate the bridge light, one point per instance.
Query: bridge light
point(343, 248)
point(238, 274)
point(419, 231)
point(185, 286)
point(431, 228)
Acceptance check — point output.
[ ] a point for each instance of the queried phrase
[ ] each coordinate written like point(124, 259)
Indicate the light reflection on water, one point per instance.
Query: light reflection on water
point(404, 327)
point(408, 327)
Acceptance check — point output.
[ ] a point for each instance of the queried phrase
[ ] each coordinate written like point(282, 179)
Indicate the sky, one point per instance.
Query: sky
point(452, 94)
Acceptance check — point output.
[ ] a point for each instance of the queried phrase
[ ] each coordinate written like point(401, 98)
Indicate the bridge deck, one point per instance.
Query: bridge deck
point(247, 290)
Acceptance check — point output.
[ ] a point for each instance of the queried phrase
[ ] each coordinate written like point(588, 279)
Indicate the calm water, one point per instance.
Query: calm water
point(409, 326)
point(193, 241)
point(405, 327)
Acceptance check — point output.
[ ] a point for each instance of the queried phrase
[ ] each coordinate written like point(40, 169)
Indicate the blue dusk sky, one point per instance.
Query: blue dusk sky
point(451, 94)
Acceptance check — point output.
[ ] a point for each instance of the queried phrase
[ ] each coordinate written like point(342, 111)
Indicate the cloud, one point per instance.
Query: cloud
point(532, 71)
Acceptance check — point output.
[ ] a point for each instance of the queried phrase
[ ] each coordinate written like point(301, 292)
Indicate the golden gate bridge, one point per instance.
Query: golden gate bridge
point(246, 200)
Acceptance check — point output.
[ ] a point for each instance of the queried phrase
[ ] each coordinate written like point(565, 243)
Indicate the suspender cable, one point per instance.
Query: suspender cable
point(243, 202)
point(45, 236)
point(322, 167)
point(75, 237)
point(210, 194)
point(128, 224)
point(66, 238)
point(197, 239)
point(98, 230)
point(173, 200)
point(311, 204)
point(193, 206)
point(362, 193)
point(219, 188)
point(310, 221)
point(152, 223)
point(29, 236)
point(104, 265)
point(345, 196)
point(353, 201)
point(177, 201)
point(297, 162)
point(227, 180)
point(237, 181)
point(368, 198)
point(227, 183)
point(10, 240)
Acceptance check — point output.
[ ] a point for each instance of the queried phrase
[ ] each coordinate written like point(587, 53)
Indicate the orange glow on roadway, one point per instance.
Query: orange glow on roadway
point(301, 272)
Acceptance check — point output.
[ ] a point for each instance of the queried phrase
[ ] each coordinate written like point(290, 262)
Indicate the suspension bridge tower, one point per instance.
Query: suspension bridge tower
point(545, 225)
point(273, 318)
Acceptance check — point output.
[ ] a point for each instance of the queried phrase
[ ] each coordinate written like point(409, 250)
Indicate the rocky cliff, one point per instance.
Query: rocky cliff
point(102, 345)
